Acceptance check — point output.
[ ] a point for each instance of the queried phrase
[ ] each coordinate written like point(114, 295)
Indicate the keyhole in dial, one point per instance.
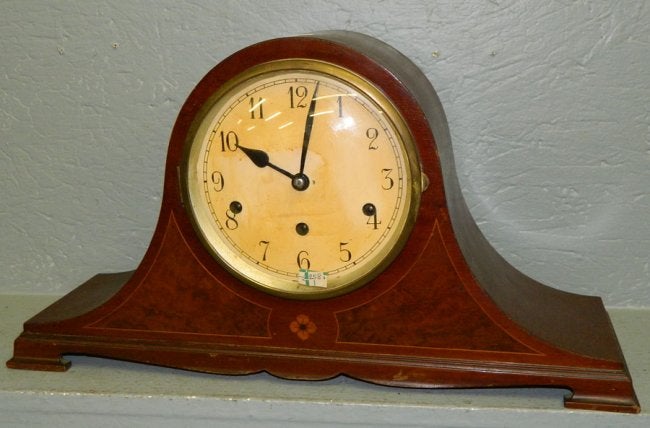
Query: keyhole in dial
point(235, 207)
point(369, 209)
point(302, 229)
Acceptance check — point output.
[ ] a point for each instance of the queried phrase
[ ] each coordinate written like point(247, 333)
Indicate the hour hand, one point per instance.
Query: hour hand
point(261, 160)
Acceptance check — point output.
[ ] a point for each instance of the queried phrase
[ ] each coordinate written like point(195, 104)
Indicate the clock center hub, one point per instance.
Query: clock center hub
point(300, 182)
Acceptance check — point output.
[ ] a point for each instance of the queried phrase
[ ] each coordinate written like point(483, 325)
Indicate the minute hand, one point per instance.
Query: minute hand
point(308, 125)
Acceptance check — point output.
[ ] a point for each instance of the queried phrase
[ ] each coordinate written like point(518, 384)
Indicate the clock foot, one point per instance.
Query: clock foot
point(47, 364)
point(607, 397)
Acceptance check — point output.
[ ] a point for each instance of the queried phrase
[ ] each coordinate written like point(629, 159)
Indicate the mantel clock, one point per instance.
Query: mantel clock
point(312, 225)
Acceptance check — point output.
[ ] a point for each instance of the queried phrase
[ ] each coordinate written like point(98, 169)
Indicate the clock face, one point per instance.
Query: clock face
point(302, 178)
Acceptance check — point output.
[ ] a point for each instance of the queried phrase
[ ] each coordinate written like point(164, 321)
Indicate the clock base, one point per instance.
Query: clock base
point(39, 348)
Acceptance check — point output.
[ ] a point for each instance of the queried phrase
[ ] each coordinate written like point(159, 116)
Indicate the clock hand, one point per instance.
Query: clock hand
point(261, 159)
point(308, 125)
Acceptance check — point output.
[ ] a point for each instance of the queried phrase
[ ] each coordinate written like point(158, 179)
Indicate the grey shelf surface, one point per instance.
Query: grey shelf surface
point(101, 392)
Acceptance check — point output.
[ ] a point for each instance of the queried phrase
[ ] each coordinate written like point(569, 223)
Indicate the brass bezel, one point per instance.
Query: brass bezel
point(257, 277)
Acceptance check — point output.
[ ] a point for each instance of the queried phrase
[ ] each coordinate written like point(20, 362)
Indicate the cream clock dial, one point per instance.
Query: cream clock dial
point(302, 179)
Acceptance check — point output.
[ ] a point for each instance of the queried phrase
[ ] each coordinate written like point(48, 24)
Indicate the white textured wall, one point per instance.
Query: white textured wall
point(548, 104)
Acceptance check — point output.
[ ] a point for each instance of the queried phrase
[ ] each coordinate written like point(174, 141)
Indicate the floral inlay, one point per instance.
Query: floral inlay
point(303, 327)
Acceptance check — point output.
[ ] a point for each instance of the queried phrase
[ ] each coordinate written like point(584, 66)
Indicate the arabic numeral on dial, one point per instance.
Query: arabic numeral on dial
point(265, 247)
point(297, 96)
point(344, 254)
point(234, 208)
point(372, 221)
point(388, 180)
point(229, 141)
point(231, 221)
point(257, 106)
point(303, 261)
point(372, 134)
point(217, 181)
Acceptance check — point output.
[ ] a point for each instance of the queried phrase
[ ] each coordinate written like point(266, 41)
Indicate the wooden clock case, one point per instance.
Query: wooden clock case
point(448, 312)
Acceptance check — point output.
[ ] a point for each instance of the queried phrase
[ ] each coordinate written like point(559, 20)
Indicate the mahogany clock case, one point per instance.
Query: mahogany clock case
point(449, 311)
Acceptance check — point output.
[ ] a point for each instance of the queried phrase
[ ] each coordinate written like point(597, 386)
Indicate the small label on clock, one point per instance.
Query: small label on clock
point(312, 278)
